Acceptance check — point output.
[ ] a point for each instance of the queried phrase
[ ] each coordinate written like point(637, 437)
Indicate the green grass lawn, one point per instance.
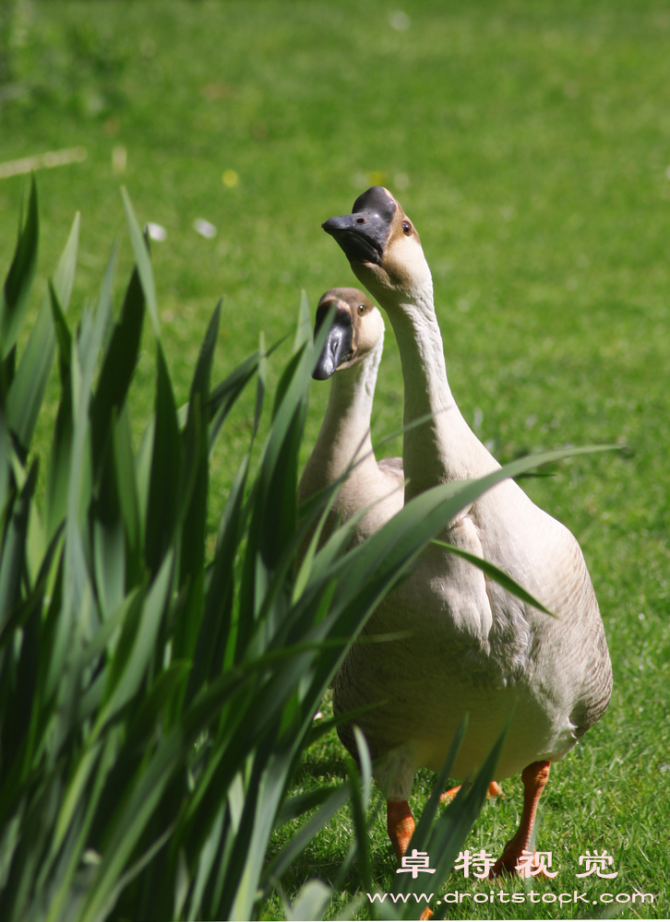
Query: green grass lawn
point(530, 143)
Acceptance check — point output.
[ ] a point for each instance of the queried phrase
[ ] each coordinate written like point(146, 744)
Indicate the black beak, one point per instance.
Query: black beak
point(363, 235)
point(339, 345)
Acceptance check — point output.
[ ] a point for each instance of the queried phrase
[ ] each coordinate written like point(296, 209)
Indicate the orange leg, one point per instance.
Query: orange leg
point(494, 791)
point(534, 777)
point(400, 825)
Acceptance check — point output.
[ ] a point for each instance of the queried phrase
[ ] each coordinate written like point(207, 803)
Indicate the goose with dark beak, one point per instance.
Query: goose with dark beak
point(351, 357)
point(474, 648)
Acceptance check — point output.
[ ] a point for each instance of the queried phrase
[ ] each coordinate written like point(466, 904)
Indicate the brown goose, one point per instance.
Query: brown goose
point(351, 356)
point(474, 648)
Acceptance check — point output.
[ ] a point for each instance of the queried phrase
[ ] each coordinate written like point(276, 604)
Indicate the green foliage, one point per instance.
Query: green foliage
point(155, 705)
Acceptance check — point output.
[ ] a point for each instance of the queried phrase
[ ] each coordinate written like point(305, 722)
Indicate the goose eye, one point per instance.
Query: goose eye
point(406, 227)
point(361, 309)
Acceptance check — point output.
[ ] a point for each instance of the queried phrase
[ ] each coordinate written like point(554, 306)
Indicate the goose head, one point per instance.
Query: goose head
point(383, 247)
point(357, 329)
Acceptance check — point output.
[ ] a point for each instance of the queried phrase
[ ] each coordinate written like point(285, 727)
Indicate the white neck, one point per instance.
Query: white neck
point(344, 437)
point(444, 447)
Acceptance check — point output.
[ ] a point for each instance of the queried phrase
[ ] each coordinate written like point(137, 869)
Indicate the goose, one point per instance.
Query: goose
point(473, 648)
point(351, 357)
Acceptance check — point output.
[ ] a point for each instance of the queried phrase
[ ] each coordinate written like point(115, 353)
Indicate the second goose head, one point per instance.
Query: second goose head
point(357, 329)
point(382, 246)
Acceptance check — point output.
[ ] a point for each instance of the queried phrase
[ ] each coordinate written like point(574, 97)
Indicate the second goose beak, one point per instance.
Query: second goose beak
point(339, 345)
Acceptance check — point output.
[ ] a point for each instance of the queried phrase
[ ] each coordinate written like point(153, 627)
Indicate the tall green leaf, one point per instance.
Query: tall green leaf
point(16, 291)
point(142, 261)
point(166, 470)
point(12, 560)
point(118, 366)
point(194, 491)
point(58, 473)
point(29, 384)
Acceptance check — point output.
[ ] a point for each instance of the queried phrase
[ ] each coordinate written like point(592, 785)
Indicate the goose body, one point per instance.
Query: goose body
point(351, 357)
point(474, 648)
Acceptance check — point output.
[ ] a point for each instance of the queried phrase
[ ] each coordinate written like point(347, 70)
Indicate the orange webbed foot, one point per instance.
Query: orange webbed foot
point(494, 791)
point(505, 866)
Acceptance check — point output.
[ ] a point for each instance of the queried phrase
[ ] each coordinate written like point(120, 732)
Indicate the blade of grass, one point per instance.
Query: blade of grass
point(497, 575)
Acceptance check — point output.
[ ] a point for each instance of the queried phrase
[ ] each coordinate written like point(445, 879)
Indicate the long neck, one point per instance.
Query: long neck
point(442, 448)
point(344, 436)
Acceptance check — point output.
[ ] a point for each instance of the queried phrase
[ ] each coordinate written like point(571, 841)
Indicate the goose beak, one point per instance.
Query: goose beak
point(361, 236)
point(364, 234)
point(339, 345)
